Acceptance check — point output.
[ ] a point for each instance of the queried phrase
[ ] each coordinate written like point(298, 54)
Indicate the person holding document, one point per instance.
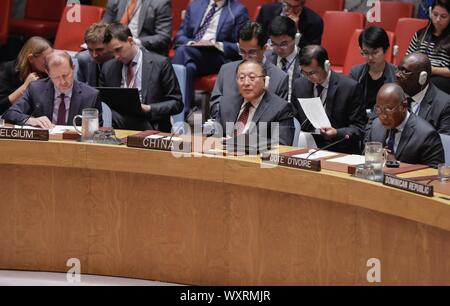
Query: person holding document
point(341, 99)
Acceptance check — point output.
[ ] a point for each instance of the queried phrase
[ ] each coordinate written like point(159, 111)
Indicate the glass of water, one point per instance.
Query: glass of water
point(444, 172)
point(375, 157)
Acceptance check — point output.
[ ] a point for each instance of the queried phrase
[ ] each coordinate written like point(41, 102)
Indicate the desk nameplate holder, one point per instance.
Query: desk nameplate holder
point(24, 134)
point(291, 162)
point(408, 185)
point(151, 141)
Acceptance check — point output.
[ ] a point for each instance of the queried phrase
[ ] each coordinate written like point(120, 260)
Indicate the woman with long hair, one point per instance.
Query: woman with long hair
point(434, 41)
point(27, 67)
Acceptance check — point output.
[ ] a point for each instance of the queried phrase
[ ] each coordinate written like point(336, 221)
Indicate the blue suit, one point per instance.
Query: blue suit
point(201, 62)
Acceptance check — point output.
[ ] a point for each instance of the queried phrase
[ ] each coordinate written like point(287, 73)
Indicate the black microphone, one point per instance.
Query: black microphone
point(346, 137)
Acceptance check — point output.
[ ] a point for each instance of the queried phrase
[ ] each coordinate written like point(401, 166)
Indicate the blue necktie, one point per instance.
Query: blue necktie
point(391, 140)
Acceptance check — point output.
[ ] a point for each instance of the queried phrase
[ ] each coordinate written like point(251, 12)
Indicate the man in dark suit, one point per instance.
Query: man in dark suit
point(55, 100)
point(150, 21)
point(150, 73)
point(309, 24)
point(424, 99)
point(340, 95)
point(408, 137)
point(284, 54)
point(252, 46)
point(255, 108)
point(214, 24)
point(90, 62)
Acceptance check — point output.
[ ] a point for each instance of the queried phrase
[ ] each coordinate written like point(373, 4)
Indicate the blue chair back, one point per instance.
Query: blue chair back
point(446, 144)
point(107, 115)
point(180, 72)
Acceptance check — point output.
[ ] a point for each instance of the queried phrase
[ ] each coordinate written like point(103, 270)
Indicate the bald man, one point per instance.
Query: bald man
point(424, 99)
point(408, 137)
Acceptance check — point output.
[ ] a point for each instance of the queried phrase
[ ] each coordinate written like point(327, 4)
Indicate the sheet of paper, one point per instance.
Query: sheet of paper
point(314, 111)
point(28, 127)
point(316, 155)
point(61, 129)
point(349, 159)
point(154, 137)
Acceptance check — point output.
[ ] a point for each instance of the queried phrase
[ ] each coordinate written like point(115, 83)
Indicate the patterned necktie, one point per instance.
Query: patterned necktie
point(284, 64)
point(242, 120)
point(128, 14)
point(61, 111)
point(391, 140)
point(202, 30)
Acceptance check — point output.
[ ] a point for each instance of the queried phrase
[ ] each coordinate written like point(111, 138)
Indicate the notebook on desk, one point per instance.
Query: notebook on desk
point(122, 100)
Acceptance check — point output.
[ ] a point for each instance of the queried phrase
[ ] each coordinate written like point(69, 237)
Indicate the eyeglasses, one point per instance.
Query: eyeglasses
point(386, 110)
point(251, 77)
point(252, 53)
point(367, 53)
point(309, 73)
point(403, 72)
point(283, 45)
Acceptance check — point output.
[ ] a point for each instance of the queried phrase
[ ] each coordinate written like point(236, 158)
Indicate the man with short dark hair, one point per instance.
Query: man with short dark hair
point(340, 96)
point(252, 46)
point(150, 73)
point(424, 98)
point(90, 61)
point(407, 137)
point(55, 100)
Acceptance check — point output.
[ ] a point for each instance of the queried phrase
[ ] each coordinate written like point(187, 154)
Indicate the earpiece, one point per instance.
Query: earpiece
point(423, 78)
point(327, 66)
point(430, 10)
point(266, 82)
point(297, 38)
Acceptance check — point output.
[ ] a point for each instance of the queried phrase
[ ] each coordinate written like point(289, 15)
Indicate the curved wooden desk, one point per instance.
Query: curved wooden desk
point(210, 221)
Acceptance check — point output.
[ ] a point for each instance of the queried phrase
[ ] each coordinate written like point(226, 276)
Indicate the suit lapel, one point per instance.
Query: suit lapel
point(425, 105)
point(223, 18)
point(261, 109)
point(332, 87)
point(75, 102)
point(49, 95)
point(407, 133)
point(230, 112)
point(147, 65)
point(144, 5)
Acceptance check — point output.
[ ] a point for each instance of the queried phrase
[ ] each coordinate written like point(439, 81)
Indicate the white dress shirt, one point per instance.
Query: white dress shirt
point(291, 66)
point(251, 113)
point(415, 106)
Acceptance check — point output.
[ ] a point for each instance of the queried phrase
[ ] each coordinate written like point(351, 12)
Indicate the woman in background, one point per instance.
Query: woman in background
point(27, 67)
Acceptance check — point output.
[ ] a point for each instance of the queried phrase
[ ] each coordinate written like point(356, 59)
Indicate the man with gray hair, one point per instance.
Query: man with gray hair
point(55, 100)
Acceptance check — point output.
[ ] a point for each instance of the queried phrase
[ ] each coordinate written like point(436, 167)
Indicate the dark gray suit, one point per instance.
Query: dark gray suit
point(226, 84)
point(419, 142)
point(88, 70)
point(271, 109)
point(273, 58)
point(155, 22)
point(160, 89)
point(344, 108)
point(435, 108)
point(38, 101)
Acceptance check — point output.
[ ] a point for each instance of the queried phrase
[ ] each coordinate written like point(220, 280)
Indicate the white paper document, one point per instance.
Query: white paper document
point(349, 159)
point(61, 129)
point(314, 111)
point(316, 155)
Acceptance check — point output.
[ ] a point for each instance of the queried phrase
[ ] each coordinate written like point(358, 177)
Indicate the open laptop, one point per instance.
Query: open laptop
point(122, 100)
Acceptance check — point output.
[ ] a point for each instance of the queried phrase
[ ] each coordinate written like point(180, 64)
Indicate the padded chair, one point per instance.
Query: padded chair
point(391, 12)
point(354, 56)
point(178, 9)
point(446, 144)
point(404, 31)
point(180, 72)
point(70, 35)
point(254, 6)
point(107, 115)
point(321, 6)
point(5, 13)
point(205, 84)
point(338, 30)
point(41, 19)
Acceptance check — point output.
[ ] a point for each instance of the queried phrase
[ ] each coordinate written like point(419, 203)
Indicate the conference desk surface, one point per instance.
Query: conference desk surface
point(208, 220)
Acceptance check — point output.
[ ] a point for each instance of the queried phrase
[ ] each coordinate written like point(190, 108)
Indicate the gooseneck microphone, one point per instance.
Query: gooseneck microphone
point(346, 137)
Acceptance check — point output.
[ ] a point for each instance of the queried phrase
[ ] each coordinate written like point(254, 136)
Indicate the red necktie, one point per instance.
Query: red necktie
point(242, 120)
point(62, 111)
point(130, 74)
point(128, 14)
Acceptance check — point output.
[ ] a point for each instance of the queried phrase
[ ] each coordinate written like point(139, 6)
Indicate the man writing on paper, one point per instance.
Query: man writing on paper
point(341, 99)
point(55, 100)
point(408, 137)
point(255, 108)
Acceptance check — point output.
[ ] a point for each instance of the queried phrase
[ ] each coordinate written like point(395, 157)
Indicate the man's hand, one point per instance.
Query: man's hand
point(42, 122)
point(146, 108)
point(328, 133)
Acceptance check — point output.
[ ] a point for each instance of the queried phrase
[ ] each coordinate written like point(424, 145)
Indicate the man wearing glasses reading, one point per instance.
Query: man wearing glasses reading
point(406, 136)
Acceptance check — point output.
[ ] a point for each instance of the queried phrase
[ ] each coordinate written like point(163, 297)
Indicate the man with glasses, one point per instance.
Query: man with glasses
point(252, 46)
point(254, 109)
point(341, 99)
point(284, 53)
point(408, 138)
point(424, 99)
point(308, 23)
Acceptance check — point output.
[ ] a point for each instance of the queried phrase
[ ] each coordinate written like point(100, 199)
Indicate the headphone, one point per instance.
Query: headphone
point(266, 82)
point(297, 38)
point(327, 66)
point(423, 78)
point(430, 10)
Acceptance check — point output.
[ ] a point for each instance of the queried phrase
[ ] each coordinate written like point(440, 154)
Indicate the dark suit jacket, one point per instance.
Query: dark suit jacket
point(344, 108)
point(435, 108)
point(226, 84)
point(271, 109)
point(311, 24)
point(9, 82)
point(155, 22)
point(234, 16)
point(160, 87)
point(272, 57)
point(87, 69)
point(419, 142)
point(38, 101)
